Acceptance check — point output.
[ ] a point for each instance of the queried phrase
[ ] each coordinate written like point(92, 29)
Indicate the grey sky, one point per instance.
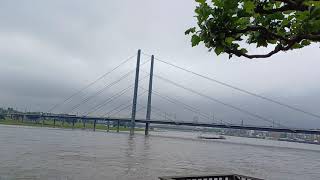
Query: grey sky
point(49, 49)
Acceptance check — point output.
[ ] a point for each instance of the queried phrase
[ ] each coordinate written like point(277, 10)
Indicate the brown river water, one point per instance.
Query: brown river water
point(48, 153)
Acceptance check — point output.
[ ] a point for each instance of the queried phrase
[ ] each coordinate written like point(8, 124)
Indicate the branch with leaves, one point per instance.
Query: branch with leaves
point(223, 25)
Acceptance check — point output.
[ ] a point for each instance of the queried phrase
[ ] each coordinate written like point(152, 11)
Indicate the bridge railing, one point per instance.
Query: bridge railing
point(211, 177)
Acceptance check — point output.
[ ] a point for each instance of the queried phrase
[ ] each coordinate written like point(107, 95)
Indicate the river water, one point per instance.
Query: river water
point(48, 153)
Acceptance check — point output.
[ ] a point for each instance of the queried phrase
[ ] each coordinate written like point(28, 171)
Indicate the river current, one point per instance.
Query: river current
point(48, 153)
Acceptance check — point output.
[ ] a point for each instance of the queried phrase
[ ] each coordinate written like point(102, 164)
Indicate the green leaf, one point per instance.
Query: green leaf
point(272, 41)
point(315, 12)
point(230, 4)
point(276, 16)
point(217, 3)
point(313, 3)
point(201, 1)
point(243, 20)
point(262, 42)
point(305, 42)
point(191, 30)
point(218, 50)
point(229, 40)
point(297, 46)
point(244, 51)
point(195, 40)
point(249, 6)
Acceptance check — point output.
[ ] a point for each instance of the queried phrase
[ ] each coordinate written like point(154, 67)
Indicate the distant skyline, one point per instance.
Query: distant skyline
point(50, 49)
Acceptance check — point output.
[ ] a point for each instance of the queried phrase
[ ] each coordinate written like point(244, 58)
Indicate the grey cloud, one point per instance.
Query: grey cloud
point(49, 49)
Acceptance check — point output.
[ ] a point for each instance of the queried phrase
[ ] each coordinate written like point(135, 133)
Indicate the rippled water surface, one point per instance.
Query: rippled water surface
point(44, 153)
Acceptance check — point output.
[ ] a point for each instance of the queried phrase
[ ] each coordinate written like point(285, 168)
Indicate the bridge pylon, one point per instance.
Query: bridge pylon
point(148, 116)
point(135, 94)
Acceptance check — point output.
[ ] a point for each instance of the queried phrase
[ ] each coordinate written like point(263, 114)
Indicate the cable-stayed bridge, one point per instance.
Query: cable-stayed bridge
point(155, 115)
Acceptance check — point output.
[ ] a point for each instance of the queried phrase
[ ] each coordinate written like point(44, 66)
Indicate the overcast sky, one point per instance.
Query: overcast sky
point(50, 49)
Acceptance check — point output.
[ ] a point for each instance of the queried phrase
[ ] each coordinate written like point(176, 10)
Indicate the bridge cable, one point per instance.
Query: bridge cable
point(144, 107)
point(186, 106)
point(107, 101)
point(240, 89)
point(107, 86)
point(111, 99)
point(127, 102)
point(160, 113)
point(218, 101)
point(126, 107)
point(90, 84)
point(104, 88)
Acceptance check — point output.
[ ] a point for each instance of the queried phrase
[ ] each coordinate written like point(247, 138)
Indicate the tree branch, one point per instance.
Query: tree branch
point(263, 30)
point(277, 49)
point(290, 43)
point(290, 6)
point(312, 37)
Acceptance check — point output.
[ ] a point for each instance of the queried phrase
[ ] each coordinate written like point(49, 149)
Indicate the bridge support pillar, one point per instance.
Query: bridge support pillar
point(94, 125)
point(146, 130)
point(108, 126)
point(73, 123)
point(148, 116)
point(118, 125)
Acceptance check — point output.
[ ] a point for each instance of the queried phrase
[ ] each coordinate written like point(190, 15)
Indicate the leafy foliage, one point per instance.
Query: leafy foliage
point(223, 25)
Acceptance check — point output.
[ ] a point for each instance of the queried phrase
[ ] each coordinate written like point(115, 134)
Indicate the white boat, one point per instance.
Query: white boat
point(211, 137)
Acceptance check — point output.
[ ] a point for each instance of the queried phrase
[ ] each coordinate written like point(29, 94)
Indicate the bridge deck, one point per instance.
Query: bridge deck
point(165, 122)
